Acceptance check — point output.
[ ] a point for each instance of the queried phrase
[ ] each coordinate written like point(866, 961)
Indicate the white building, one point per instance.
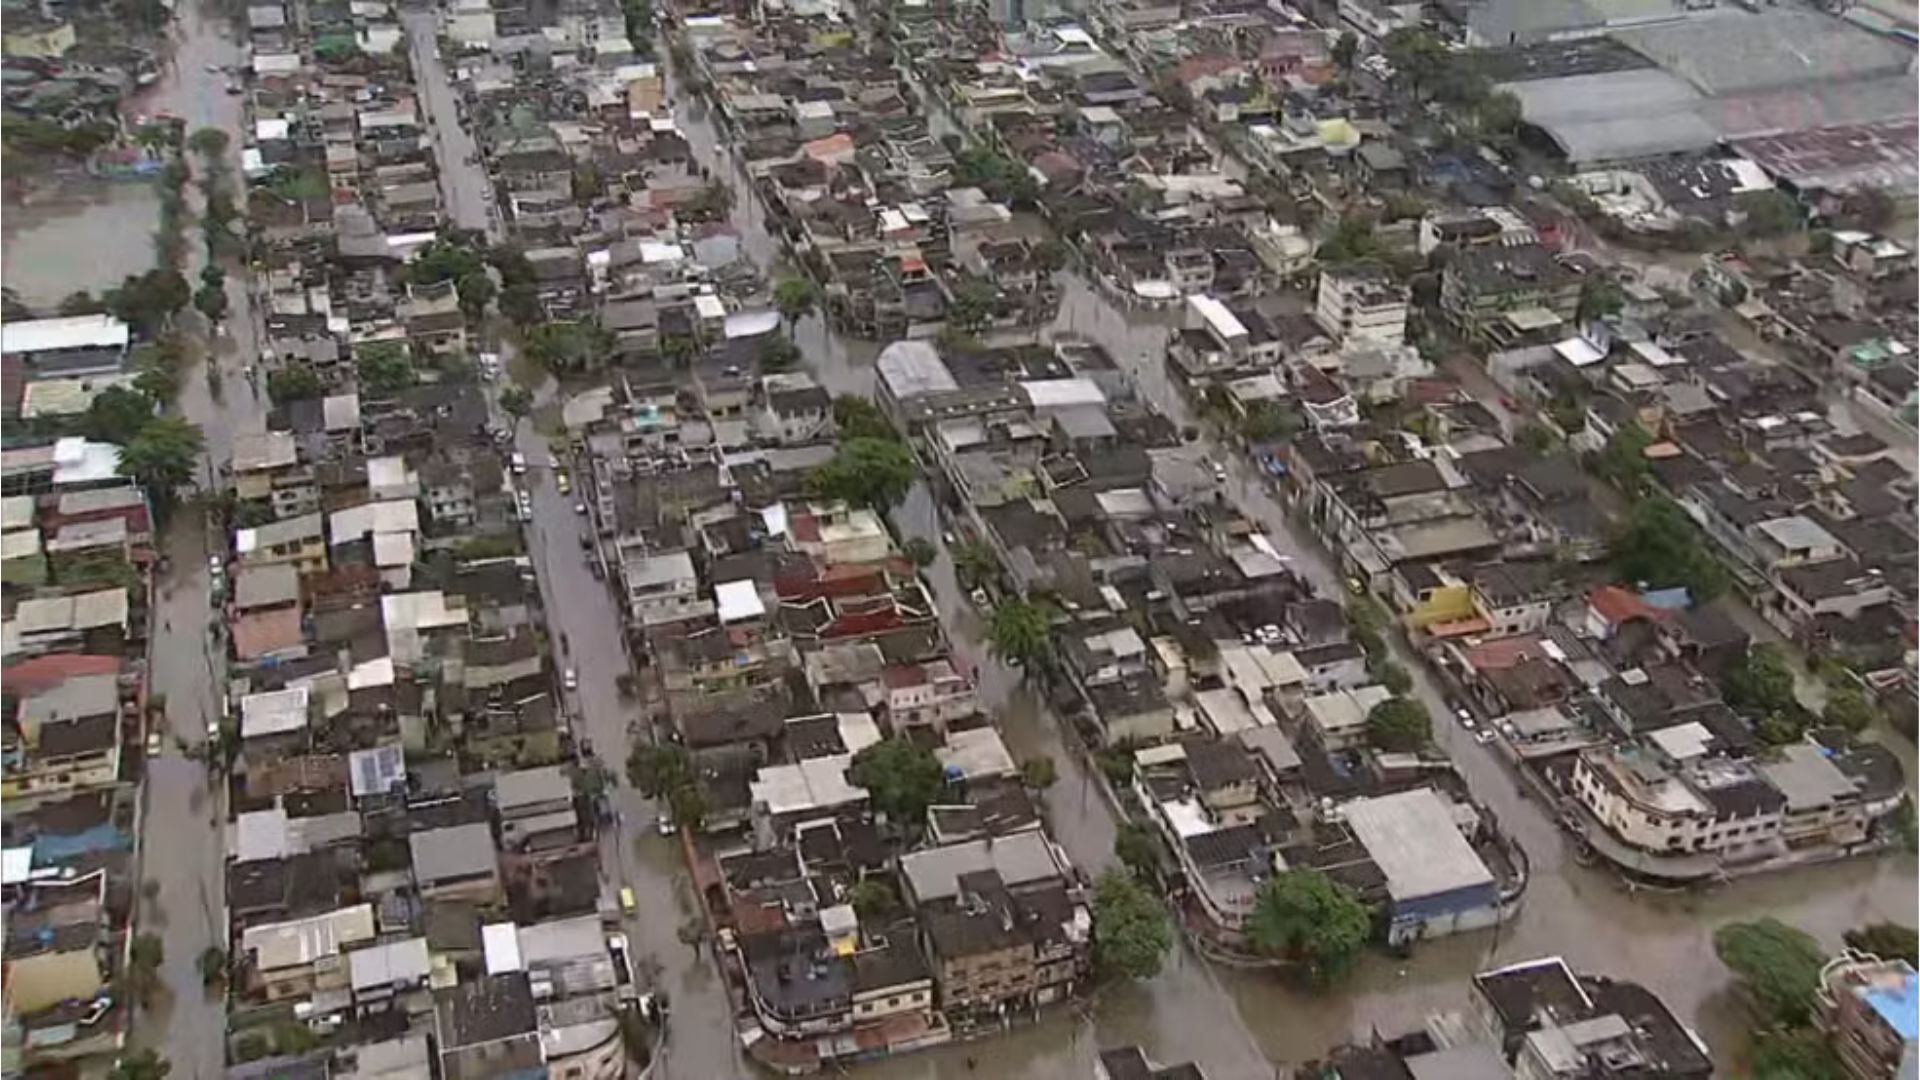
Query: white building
point(1361, 306)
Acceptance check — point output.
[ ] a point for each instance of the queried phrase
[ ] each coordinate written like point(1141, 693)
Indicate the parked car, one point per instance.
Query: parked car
point(571, 679)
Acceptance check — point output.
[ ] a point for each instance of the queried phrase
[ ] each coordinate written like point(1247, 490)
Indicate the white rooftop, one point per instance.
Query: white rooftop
point(70, 332)
point(273, 712)
point(1412, 837)
point(738, 600)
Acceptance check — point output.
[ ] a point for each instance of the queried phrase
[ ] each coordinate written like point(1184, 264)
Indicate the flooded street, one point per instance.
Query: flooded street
point(1243, 1024)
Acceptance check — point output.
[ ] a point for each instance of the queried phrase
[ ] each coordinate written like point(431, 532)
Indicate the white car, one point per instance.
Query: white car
point(519, 461)
point(216, 566)
point(571, 679)
point(579, 508)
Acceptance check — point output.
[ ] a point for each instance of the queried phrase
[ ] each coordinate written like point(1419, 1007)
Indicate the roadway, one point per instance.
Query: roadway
point(182, 847)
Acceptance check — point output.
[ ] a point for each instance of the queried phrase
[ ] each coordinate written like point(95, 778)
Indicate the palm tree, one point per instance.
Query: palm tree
point(1021, 633)
point(975, 564)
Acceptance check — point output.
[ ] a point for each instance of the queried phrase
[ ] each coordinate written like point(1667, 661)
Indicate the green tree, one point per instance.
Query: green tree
point(78, 303)
point(1796, 1054)
point(1131, 931)
point(1399, 725)
point(1760, 682)
point(520, 303)
point(778, 354)
point(974, 563)
point(1351, 240)
point(856, 417)
point(213, 966)
point(920, 551)
point(875, 473)
point(144, 958)
point(1039, 773)
point(974, 302)
point(211, 301)
point(147, 301)
point(796, 298)
point(902, 778)
point(1768, 213)
point(1136, 845)
point(1847, 707)
point(1020, 633)
point(210, 142)
point(873, 899)
point(14, 309)
point(1659, 546)
point(1886, 940)
point(1307, 918)
point(1600, 296)
point(563, 347)
point(444, 259)
point(689, 806)
point(1267, 422)
point(1393, 677)
point(1345, 47)
point(117, 414)
point(296, 382)
point(142, 1065)
point(384, 367)
point(163, 457)
point(517, 401)
point(1778, 968)
point(1623, 461)
point(1498, 114)
point(476, 290)
point(658, 768)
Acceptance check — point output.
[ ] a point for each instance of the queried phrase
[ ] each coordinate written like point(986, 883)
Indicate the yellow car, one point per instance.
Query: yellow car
point(627, 902)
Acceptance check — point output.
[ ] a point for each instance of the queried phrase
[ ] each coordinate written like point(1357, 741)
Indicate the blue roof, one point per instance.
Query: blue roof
point(1899, 1006)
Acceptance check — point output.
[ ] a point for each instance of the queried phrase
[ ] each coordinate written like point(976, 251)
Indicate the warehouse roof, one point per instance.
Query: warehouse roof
point(1412, 837)
point(73, 332)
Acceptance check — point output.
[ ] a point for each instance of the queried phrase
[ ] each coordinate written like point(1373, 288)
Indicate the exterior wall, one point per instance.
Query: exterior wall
point(608, 1061)
point(62, 775)
point(892, 1001)
point(985, 980)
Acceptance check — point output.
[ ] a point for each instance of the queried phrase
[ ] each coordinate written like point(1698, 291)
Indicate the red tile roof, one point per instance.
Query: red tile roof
point(1618, 605)
point(47, 672)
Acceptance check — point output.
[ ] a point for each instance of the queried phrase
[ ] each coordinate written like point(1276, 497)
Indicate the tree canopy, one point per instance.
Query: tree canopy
point(144, 1064)
point(858, 418)
point(1886, 940)
point(384, 367)
point(1795, 1054)
point(563, 347)
point(116, 414)
point(1768, 213)
point(1310, 919)
point(1761, 681)
point(866, 471)
point(146, 301)
point(163, 456)
point(294, 382)
point(1778, 967)
point(1399, 725)
point(796, 298)
point(1658, 545)
point(902, 778)
point(1131, 931)
point(1847, 707)
point(1021, 633)
point(1136, 845)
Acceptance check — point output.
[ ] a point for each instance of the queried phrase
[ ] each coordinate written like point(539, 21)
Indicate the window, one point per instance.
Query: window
point(892, 1002)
